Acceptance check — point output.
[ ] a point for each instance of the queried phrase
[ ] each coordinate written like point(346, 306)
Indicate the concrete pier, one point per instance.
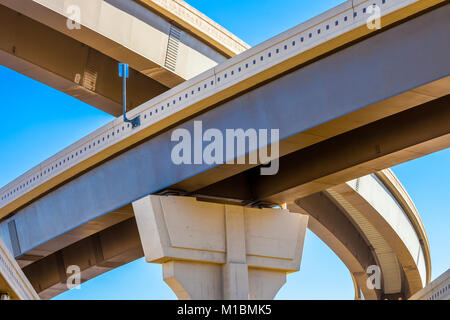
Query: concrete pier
point(220, 251)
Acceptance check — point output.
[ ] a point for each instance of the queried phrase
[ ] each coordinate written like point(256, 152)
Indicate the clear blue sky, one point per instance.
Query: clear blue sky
point(39, 121)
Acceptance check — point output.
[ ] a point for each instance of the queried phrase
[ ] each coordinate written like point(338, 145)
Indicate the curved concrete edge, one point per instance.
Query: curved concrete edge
point(380, 214)
point(358, 295)
point(398, 191)
point(372, 221)
point(357, 256)
point(13, 281)
point(385, 257)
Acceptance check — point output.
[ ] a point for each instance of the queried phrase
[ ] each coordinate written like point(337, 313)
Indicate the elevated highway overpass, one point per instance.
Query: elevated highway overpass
point(347, 107)
point(372, 221)
point(164, 42)
point(349, 228)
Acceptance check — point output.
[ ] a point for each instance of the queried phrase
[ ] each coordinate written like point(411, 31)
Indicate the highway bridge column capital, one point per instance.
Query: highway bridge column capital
point(220, 251)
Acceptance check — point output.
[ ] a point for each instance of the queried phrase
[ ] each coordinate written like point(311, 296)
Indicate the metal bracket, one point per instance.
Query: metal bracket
point(124, 72)
point(262, 205)
point(173, 192)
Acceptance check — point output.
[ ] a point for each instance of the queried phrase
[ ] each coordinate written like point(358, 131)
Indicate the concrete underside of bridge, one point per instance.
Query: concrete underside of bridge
point(86, 66)
point(345, 219)
point(361, 109)
point(13, 282)
point(356, 221)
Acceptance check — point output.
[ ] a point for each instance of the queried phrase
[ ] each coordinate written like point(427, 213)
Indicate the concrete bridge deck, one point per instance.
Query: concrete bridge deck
point(164, 42)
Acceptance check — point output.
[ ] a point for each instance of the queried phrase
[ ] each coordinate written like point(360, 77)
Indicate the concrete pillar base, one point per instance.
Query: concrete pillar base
point(193, 280)
point(264, 284)
point(235, 281)
point(217, 251)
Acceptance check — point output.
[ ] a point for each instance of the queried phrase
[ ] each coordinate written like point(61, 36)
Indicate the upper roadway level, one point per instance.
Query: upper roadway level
point(164, 42)
point(346, 106)
point(270, 59)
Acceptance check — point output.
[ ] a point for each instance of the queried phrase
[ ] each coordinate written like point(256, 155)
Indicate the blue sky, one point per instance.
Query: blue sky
point(39, 121)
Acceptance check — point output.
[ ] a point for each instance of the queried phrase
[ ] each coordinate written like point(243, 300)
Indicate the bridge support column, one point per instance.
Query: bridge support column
point(217, 251)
